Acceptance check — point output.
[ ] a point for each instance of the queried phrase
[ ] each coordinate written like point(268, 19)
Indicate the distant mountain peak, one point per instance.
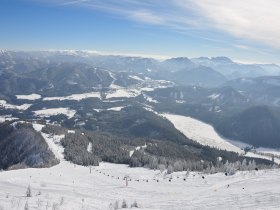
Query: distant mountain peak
point(222, 59)
point(179, 59)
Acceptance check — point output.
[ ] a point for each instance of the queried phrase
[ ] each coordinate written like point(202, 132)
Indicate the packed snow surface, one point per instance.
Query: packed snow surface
point(30, 97)
point(201, 132)
point(53, 141)
point(68, 186)
point(55, 111)
point(75, 97)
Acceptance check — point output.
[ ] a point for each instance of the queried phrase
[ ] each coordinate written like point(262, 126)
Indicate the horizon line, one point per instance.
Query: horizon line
point(141, 55)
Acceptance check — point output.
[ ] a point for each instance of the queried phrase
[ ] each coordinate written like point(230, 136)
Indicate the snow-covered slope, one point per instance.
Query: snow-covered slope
point(262, 156)
point(201, 132)
point(68, 186)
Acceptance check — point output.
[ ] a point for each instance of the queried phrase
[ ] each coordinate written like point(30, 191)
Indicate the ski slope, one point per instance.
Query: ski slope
point(68, 186)
point(200, 132)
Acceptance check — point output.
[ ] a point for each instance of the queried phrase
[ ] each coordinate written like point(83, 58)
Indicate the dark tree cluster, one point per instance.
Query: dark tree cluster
point(21, 146)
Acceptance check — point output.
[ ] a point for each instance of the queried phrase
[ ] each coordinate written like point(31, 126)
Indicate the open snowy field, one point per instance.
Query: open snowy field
point(201, 132)
point(68, 186)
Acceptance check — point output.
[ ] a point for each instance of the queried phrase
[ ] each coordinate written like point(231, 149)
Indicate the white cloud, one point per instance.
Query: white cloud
point(146, 16)
point(253, 20)
point(256, 20)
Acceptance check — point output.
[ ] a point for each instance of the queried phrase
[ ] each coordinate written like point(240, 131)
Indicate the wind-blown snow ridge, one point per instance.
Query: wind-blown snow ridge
point(200, 132)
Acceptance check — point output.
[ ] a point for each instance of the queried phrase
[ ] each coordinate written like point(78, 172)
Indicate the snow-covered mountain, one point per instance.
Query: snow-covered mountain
point(233, 70)
point(69, 88)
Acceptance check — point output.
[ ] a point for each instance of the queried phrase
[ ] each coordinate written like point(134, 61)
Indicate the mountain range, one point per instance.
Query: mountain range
point(124, 97)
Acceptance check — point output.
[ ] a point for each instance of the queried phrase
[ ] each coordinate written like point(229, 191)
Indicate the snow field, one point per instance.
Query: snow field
point(200, 132)
point(55, 111)
point(70, 186)
point(30, 97)
point(76, 97)
point(6, 105)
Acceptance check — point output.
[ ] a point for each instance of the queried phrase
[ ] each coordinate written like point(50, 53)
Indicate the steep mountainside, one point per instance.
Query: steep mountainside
point(258, 126)
point(21, 146)
point(201, 76)
point(233, 70)
point(264, 90)
point(125, 96)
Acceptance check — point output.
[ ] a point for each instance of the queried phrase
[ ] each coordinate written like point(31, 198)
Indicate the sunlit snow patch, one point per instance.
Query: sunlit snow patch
point(200, 132)
point(76, 97)
point(262, 156)
point(7, 118)
point(55, 111)
point(30, 97)
point(136, 78)
point(123, 93)
point(6, 105)
point(214, 96)
point(119, 108)
point(53, 141)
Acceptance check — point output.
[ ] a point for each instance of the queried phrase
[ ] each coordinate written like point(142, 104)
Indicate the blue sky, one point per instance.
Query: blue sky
point(246, 31)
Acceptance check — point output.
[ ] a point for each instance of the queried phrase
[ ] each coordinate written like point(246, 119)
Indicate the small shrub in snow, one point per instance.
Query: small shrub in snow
point(124, 204)
point(55, 206)
point(28, 191)
point(134, 205)
point(61, 202)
